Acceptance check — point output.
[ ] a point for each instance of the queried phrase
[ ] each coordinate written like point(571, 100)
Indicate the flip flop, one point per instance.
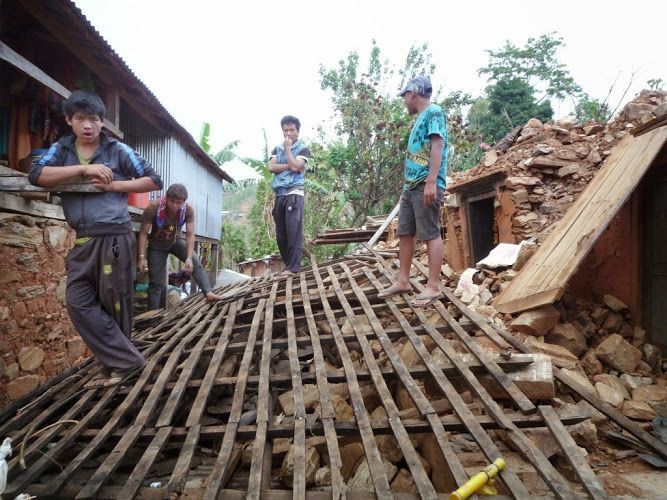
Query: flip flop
point(114, 377)
point(388, 292)
point(427, 301)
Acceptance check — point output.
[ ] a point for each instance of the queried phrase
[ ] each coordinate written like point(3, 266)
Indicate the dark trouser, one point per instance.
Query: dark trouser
point(288, 215)
point(157, 263)
point(100, 282)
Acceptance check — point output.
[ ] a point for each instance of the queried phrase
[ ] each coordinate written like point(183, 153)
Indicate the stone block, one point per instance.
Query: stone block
point(619, 354)
point(21, 386)
point(30, 358)
point(536, 322)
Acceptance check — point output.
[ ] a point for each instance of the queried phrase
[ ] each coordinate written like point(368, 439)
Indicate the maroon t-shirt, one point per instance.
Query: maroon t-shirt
point(165, 236)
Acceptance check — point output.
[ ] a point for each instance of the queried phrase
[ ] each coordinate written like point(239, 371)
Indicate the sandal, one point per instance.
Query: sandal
point(109, 379)
point(425, 300)
point(390, 292)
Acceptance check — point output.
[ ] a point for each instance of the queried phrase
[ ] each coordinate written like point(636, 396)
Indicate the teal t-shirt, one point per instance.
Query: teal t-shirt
point(429, 122)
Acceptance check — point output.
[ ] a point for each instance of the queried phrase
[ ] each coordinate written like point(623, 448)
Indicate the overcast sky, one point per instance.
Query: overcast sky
point(241, 66)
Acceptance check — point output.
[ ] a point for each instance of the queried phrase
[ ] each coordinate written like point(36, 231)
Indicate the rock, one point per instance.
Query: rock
point(30, 358)
point(30, 292)
point(10, 276)
point(544, 440)
point(560, 356)
point(609, 394)
point(660, 407)
point(524, 220)
point(310, 396)
point(635, 110)
point(362, 481)
point(12, 371)
point(20, 310)
point(638, 411)
point(485, 297)
point(403, 483)
point(599, 316)
point(631, 382)
point(613, 381)
point(490, 157)
point(646, 393)
point(653, 355)
point(638, 336)
point(575, 168)
point(526, 251)
point(389, 448)
point(585, 434)
point(21, 386)
point(619, 354)
point(3, 367)
point(323, 476)
point(512, 182)
point(312, 465)
point(76, 348)
point(593, 129)
point(519, 196)
point(591, 364)
point(55, 236)
point(613, 303)
point(536, 322)
point(569, 336)
point(344, 412)
point(351, 455)
point(19, 231)
point(579, 377)
point(613, 322)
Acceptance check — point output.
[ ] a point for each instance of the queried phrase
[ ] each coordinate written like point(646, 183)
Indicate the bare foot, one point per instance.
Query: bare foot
point(393, 290)
point(212, 297)
point(425, 299)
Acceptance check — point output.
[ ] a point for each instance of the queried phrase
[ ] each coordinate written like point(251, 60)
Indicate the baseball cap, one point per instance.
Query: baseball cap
point(420, 85)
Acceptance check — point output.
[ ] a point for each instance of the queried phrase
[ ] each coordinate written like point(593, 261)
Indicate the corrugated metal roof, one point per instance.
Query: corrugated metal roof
point(58, 8)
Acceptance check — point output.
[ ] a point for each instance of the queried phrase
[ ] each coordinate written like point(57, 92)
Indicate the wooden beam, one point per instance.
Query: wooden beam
point(7, 54)
point(15, 203)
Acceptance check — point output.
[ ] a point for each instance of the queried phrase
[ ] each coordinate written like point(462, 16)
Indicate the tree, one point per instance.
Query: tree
point(509, 102)
point(536, 64)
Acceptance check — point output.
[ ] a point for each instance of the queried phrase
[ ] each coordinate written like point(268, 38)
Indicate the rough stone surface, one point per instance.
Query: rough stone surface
point(403, 483)
point(591, 364)
point(646, 393)
point(76, 348)
point(638, 410)
point(537, 322)
point(613, 303)
point(619, 354)
point(55, 236)
point(609, 394)
point(652, 355)
point(312, 465)
point(21, 386)
point(30, 358)
point(362, 481)
point(30, 292)
point(569, 336)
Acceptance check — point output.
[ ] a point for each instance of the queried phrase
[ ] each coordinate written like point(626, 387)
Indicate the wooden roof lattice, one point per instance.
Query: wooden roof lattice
point(159, 427)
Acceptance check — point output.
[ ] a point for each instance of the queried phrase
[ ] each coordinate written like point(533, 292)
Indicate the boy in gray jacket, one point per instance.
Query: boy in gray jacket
point(100, 268)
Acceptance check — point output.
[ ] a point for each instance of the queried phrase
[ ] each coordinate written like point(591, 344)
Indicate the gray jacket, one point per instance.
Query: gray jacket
point(93, 214)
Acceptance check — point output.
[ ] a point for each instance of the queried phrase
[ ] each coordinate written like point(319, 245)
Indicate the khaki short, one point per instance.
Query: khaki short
point(416, 219)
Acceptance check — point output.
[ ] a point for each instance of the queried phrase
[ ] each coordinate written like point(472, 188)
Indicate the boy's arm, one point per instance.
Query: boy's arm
point(430, 189)
point(189, 239)
point(297, 164)
point(274, 166)
point(144, 176)
point(46, 170)
point(141, 245)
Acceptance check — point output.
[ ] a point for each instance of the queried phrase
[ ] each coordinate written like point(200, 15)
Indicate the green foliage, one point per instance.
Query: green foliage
point(655, 83)
point(204, 136)
point(509, 102)
point(233, 244)
point(588, 108)
point(536, 64)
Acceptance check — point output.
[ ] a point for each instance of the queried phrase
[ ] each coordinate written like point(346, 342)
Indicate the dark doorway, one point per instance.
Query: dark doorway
point(655, 304)
point(480, 228)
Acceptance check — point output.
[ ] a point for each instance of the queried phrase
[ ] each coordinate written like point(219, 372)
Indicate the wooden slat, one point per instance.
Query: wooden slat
point(573, 454)
point(264, 403)
point(380, 482)
point(299, 441)
point(138, 475)
point(222, 464)
point(199, 404)
point(421, 480)
point(549, 269)
point(179, 475)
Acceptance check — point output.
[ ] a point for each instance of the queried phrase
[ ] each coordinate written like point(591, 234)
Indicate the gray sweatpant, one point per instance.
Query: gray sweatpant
point(288, 215)
point(100, 282)
point(157, 262)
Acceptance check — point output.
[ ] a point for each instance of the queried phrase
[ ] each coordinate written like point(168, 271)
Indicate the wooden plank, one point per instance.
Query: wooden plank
point(380, 482)
point(136, 479)
point(555, 261)
point(179, 475)
point(188, 368)
point(199, 404)
point(451, 423)
point(299, 441)
point(421, 480)
point(21, 184)
point(15, 203)
point(223, 462)
point(573, 454)
point(264, 404)
point(462, 411)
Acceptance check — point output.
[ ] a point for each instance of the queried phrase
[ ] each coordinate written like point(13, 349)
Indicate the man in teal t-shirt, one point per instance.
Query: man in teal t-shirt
point(423, 190)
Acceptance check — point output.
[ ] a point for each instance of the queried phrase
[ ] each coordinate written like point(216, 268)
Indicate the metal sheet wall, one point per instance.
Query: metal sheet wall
point(175, 164)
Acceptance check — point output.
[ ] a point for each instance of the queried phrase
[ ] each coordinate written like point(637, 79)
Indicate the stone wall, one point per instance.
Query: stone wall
point(37, 339)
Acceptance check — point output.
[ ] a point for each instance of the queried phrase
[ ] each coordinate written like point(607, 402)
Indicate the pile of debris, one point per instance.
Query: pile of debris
point(548, 165)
